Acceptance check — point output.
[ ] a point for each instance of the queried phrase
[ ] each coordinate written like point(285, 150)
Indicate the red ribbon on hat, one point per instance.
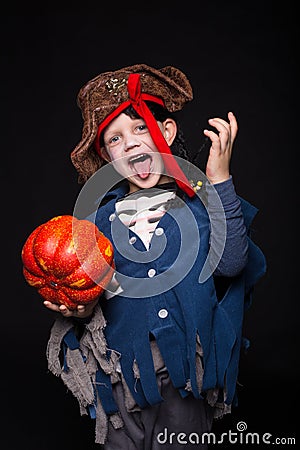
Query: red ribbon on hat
point(137, 100)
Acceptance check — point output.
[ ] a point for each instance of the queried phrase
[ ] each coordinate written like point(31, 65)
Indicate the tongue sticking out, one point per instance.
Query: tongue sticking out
point(142, 166)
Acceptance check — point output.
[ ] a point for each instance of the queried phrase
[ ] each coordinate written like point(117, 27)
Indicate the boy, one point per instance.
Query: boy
point(169, 337)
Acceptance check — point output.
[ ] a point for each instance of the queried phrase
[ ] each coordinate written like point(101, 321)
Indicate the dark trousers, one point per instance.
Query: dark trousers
point(176, 423)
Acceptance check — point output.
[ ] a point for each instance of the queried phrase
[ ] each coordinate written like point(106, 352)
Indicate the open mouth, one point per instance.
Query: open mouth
point(141, 165)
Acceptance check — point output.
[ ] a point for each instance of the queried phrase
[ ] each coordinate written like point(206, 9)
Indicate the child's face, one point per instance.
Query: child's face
point(129, 146)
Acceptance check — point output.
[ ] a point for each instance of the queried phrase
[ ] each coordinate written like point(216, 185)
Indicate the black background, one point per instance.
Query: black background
point(239, 56)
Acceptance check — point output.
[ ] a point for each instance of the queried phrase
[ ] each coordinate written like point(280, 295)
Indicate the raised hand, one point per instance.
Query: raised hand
point(217, 167)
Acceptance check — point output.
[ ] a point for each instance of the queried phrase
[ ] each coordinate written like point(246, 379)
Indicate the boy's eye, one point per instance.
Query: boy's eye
point(113, 140)
point(142, 127)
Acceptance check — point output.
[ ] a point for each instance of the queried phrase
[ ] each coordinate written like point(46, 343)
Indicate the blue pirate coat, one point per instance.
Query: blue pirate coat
point(162, 298)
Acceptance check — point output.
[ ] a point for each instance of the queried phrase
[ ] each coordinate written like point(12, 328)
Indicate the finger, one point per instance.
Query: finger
point(80, 310)
point(64, 310)
point(220, 124)
point(233, 125)
point(214, 137)
point(51, 306)
point(225, 133)
point(223, 137)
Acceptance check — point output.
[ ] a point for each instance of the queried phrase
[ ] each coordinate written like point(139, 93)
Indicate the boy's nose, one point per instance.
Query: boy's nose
point(131, 142)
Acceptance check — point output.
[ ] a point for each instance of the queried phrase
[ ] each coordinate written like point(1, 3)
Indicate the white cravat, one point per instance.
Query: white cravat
point(142, 210)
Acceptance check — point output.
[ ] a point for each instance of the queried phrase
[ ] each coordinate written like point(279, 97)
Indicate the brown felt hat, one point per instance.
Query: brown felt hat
point(102, 95)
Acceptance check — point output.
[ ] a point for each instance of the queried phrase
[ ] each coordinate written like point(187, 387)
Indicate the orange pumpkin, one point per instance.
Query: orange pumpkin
point(68, 260)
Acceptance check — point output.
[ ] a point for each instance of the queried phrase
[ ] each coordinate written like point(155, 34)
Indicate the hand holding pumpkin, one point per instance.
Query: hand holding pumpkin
point(70, 263)
point(81, 311)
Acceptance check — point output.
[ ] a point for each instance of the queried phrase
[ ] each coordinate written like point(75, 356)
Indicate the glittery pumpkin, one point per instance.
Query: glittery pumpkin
point(68, 260)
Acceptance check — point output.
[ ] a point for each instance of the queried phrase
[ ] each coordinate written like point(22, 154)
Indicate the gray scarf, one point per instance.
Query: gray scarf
point(80, 378)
